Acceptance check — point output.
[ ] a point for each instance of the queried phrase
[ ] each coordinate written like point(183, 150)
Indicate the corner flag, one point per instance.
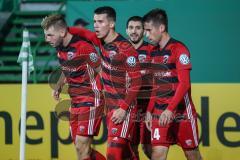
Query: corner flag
point(26, 59)
point(26, 53)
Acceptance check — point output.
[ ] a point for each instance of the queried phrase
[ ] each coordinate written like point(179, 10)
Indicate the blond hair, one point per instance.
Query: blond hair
point(55, 20)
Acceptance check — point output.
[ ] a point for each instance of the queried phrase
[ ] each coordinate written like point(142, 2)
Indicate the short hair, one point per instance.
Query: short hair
point(55, 20)
point(80, 21)
point(136, 19)
point(111, 13)
point(157, 17)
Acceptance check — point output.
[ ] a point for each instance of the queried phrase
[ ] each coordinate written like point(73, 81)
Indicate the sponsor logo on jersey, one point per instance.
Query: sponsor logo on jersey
point(131, 61)
point(184, 59)
point(93, 57)
point(106, 65)
point(65, 68)
point(163, 74)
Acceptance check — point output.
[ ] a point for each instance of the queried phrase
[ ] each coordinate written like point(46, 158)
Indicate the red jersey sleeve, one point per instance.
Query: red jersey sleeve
point(89, 53)
point(182, 57)
point(183, 66)
point(87, 34)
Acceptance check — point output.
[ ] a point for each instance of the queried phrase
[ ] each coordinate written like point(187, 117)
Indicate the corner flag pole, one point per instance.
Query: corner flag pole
point(26, 60)
point(23, 107)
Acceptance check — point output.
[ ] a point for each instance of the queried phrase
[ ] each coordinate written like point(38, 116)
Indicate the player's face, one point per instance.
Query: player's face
point(135, 31)
point(102, 25)
point(152, 32)
point(53, 37)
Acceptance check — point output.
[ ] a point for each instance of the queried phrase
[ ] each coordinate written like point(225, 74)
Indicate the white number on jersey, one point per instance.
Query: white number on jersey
point(156, 134)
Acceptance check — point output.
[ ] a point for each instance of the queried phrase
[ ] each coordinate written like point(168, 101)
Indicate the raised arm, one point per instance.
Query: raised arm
point(87, 34)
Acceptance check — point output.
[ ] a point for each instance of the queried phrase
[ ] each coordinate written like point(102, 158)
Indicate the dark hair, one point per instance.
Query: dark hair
point(111, 13)
point(157, 17)
point(80, 21)
point(136, 19)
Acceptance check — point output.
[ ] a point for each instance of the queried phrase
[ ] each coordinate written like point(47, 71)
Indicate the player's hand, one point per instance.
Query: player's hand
point(56, 92)
point(56, 95)
point(148, 120)
point(166, 117)
point(118, 115)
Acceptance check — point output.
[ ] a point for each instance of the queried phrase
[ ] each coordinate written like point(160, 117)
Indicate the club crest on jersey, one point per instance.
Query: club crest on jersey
point(188, 142)
point(112, 53)
point(93, 57)
point(131, 61)
point(70, 55)
point(142, 58)
point(184, 59)
point(81, 129)
point(114, 130)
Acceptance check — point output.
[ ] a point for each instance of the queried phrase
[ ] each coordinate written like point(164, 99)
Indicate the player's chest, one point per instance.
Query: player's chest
point(163, 57)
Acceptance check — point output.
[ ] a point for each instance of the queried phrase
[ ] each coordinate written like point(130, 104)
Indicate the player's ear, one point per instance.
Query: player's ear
point(112, 24)
point(62, 32)
point(162, 28)
point(127, 31)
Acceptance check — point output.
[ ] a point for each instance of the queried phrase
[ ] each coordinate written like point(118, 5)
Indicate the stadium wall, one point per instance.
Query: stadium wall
point(49, 138)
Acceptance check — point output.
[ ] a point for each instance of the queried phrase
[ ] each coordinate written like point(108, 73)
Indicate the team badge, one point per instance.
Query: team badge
point(165, 59)
point(70, 55)
point(93, 57)
point(81, 129)
point(114, 130)
point(142, 58)
point(188, 142)
point(184, 59)
point(131, 61)
point(112, 53)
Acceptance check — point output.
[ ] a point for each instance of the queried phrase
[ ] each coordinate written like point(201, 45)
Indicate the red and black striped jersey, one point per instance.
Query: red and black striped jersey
point(120, 71)
point(121, 75)
point(78, 61)
point(167, 66)
point(144, 57)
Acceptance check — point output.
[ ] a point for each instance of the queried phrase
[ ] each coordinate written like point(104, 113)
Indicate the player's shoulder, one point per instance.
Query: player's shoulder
point(124, 46)
point(122, 42)
point(177, 45)
point(81, 42)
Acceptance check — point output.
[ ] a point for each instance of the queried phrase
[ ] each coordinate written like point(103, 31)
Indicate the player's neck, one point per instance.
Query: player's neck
point(164, 40)
point(110, 36)
point(67, 39)
point(138, 44)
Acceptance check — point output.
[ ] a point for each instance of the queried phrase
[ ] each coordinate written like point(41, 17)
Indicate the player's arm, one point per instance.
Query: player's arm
point(183, 66)
point(91, 55)
point(87, 34)
point(58, 88)
point(132, 68)
point(133, 89)
point(182, 89)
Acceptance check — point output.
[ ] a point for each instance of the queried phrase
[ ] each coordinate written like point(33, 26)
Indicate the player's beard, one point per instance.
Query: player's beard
point(136, 41)
point(59, 43)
